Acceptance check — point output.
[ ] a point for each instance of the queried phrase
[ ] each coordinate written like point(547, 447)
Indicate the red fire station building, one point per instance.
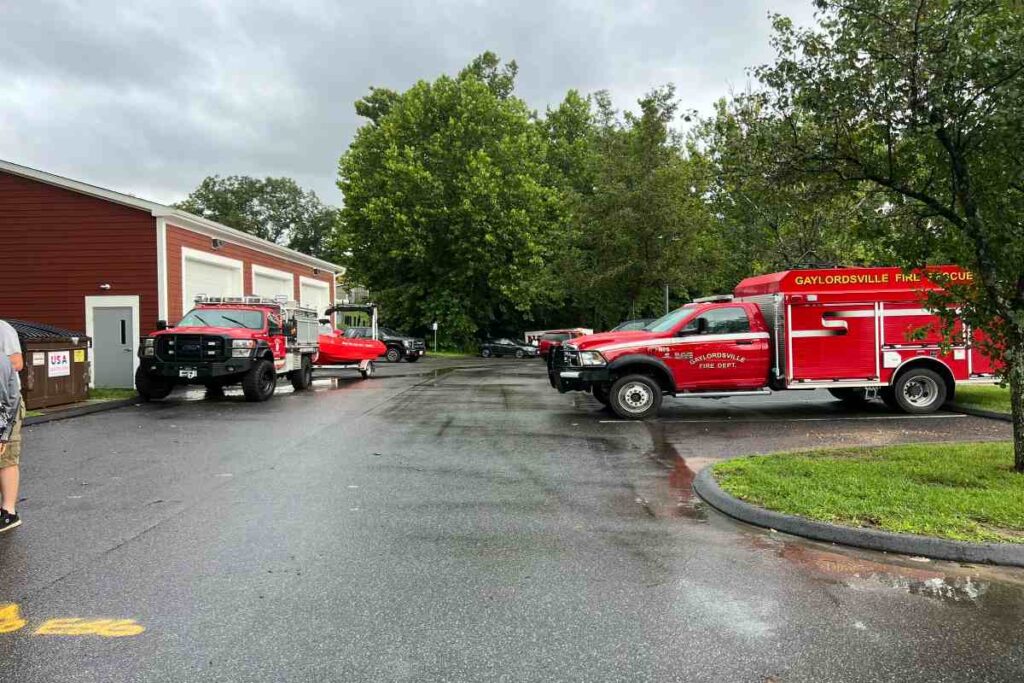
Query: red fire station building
point(110, 265)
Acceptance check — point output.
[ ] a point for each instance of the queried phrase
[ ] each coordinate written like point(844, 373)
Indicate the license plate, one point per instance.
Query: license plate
point(188, 373)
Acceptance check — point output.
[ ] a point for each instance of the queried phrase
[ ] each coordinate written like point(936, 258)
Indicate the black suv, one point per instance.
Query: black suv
point(507, 347)
point(399, 345)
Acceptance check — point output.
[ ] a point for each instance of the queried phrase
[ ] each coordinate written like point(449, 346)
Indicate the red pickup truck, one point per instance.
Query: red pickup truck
point(857, 332)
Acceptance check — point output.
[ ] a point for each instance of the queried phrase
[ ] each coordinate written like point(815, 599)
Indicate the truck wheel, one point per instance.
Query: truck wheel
point(393, 355)
point(519, 353)
point(412, 359)
point(303, 377)
point(260, 382)
point(152, 387)
point(850, 396)
point(602, 392)
point(635, 397)
point(370, 370)
point(919, 391)
point(486, 353)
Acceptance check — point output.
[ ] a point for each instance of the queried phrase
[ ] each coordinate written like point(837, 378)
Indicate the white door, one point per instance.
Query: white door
point(209, 274)
point(272, 283)
point(315, 294)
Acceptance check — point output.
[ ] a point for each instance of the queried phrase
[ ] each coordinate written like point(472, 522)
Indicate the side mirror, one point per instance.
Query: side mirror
point(161, 325)
point(324, 321)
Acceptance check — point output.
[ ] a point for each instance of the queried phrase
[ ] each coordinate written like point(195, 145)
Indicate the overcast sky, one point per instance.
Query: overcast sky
point(150, 97)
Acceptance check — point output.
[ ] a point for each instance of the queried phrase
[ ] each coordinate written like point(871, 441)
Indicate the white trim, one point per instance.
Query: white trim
point(185, 219)
point(161, 268)
point(123, 301)
point(214, 259)
point(676, 341)
point(788, 331)
point(878, 346)
point(274, 274)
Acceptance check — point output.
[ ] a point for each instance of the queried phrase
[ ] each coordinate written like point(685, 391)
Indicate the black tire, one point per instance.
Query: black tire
point(370, 370)
point(303, 377)
point(635, 397)
point(260, 382)
point(888, 397)
point(393, 354)
point(485, 353)
point(152, 387)
point(919, 391)
point(519, 353)
point(602, 392)
point(412, 359)
point(851, 396)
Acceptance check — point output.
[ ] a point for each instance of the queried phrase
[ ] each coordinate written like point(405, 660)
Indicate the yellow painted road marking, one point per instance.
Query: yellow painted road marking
point(11, 621)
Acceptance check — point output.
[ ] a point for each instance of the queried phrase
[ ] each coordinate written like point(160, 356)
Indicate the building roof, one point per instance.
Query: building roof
point(177, 216)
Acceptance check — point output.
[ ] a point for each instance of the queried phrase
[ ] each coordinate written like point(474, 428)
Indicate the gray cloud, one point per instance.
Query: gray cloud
point(149, 98)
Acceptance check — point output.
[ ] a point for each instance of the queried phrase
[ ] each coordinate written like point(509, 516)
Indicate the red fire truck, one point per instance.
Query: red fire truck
point(857, 332)
point(246, 340)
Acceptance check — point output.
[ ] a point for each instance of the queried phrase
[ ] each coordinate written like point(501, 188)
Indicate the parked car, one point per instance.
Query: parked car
point(399, 346)
point(554, 339)
point(507, 347)
point(629, 325)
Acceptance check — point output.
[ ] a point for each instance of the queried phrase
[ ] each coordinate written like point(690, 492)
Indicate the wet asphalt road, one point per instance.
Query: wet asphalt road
point(469, 524)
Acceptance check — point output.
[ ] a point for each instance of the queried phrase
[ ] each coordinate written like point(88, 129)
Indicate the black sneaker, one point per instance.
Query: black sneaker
point(8, 520)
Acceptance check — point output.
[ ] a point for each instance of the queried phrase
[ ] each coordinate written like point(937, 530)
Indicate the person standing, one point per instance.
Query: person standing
point(12, 412)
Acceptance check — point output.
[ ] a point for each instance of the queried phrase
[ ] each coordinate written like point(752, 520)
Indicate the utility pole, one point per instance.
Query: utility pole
point(666, 298)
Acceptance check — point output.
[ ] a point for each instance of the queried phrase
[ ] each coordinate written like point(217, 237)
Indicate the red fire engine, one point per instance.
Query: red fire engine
point(857, 332)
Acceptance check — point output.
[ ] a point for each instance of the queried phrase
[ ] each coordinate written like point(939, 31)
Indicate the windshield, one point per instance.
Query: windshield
point(227, 317)
point(669, 321)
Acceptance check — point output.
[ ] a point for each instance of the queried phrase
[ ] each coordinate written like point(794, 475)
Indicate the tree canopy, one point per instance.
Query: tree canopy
point(275, 209)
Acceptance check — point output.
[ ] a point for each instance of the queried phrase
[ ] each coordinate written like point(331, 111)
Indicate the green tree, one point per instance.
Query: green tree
point(922, 100)
point(275, 209)
point(448, 214)
point(769, 219)
point(646, 223)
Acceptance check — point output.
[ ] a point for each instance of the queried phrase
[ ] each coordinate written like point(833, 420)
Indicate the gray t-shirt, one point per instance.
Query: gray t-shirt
point(9, 344)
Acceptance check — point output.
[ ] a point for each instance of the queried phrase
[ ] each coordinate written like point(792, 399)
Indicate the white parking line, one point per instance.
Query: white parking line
point(727, 420)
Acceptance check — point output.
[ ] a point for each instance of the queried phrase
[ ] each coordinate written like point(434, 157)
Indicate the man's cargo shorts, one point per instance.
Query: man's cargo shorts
point(12, 454)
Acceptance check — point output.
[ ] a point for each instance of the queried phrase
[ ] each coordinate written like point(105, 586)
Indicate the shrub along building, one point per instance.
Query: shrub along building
point(111, 265)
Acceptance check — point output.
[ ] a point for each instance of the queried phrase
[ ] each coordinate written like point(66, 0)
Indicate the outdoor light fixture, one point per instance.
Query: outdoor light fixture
point(217, 243)
point(104, 286)
point(316, 271)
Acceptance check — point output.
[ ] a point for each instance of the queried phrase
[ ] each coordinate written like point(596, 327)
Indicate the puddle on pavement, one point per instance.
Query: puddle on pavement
point(966, 585)
point(676, 498)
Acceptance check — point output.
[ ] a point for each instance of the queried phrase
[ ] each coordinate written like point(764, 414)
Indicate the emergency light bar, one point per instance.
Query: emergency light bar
point(717, 298)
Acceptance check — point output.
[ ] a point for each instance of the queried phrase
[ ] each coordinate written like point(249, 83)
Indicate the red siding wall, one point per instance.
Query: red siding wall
point(58, 246)
point(180, 237)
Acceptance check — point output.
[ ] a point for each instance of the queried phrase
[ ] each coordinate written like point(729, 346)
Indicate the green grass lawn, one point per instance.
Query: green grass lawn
point(962, 491)
point(110, 394)
point(984, 397)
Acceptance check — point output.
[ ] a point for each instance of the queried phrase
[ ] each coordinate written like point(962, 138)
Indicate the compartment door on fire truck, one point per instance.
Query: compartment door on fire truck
point(832, 342)
point(722, 353)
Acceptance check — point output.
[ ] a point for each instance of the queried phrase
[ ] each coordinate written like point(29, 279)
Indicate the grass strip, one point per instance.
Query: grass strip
point(984, 397)
point(959, 491)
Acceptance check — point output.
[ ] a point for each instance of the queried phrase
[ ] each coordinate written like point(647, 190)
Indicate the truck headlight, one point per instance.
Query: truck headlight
point(148, 347)
point(591, 358)
point(241, 348)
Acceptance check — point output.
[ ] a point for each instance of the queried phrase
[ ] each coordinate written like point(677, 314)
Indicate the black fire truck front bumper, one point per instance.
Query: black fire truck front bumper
point(565, 375)
point(196, 373)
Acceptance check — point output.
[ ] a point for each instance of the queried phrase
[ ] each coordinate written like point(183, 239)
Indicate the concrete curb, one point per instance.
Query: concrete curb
point(979, 412)
point(79, 412)
point(907, 544)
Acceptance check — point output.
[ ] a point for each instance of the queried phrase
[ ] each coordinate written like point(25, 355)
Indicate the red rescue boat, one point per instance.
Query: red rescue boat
point(338, 352)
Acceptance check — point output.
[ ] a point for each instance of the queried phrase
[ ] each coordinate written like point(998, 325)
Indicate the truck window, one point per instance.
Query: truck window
point(226, 317)
point(731, 320)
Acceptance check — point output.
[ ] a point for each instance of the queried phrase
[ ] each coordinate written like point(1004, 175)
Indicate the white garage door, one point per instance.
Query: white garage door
point(315, 294)
point(271, 283)
point(210, 275)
